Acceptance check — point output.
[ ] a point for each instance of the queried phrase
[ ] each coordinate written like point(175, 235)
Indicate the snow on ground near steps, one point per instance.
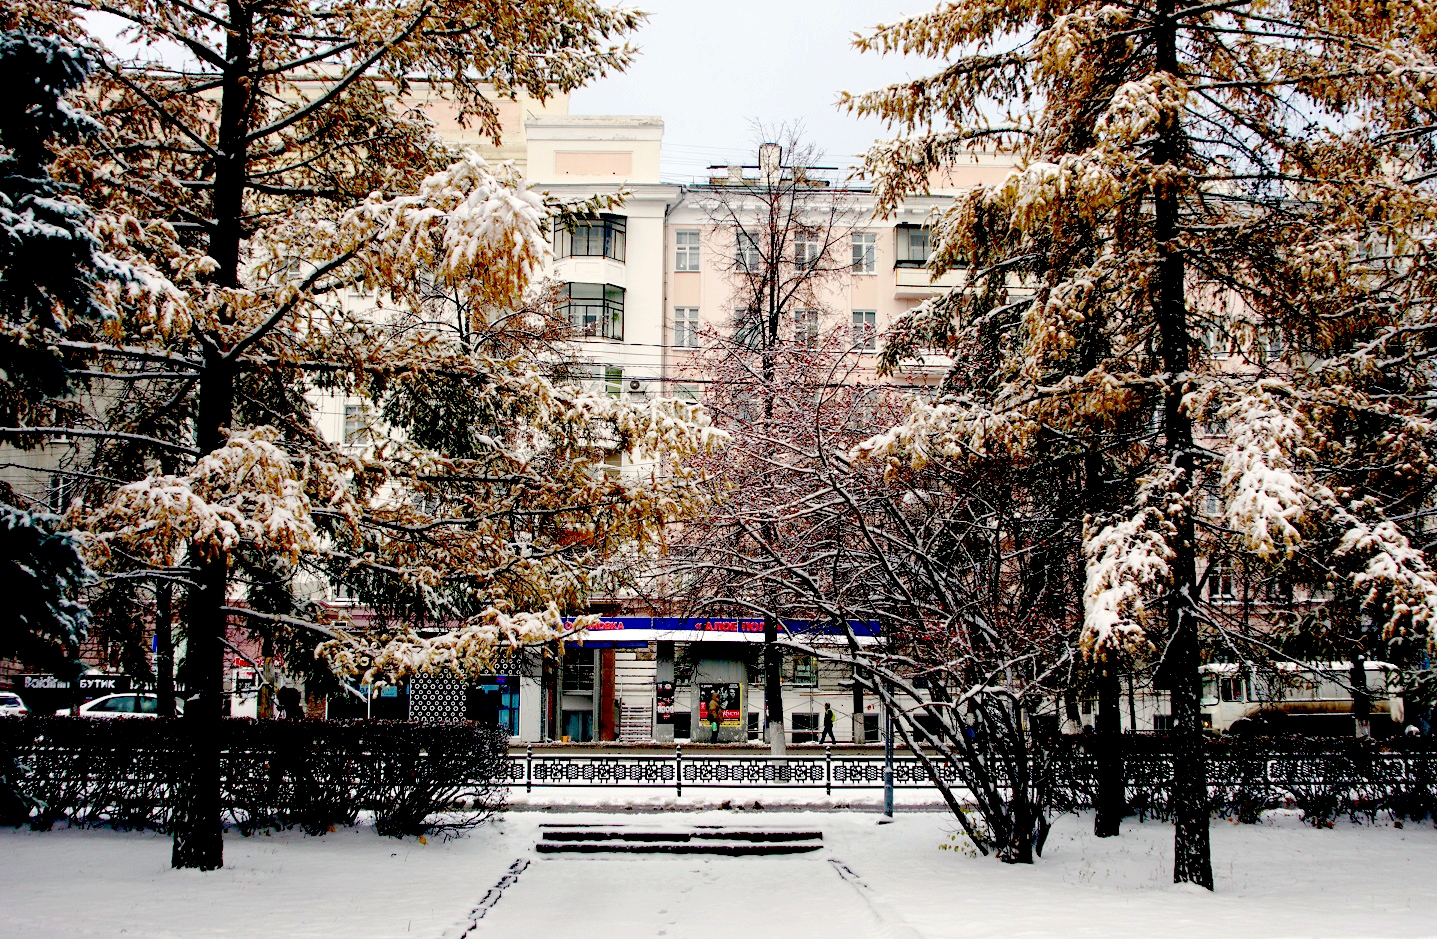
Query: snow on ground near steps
point(1276, 879)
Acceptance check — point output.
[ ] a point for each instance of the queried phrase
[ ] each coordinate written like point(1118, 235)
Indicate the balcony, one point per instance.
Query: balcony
point(917, 282)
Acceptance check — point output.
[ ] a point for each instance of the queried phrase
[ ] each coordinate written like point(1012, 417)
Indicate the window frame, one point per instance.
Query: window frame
point(686, 327)
point(1222, 585)
point(613, 381)
point(603, 236)
point(747, 254)
point(865, 333)
point(600, 316)
point(903, 249)
point(807, 250)
point(356, 424)
point(865, 252)
point(688, 252)
point(582, 669)
point(806, 326)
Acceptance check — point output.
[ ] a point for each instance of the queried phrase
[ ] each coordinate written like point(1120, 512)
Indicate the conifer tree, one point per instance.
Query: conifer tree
point(281, 164)
point(1219, 213)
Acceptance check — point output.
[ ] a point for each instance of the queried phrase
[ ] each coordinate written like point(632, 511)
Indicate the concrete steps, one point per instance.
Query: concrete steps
point(621, 839)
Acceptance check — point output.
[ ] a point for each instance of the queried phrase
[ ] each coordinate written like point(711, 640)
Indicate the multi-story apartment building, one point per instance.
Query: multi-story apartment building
point(643, 283)
point(639, 283)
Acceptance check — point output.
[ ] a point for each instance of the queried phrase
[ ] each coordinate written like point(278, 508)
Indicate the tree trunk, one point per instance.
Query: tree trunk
point(1361, 698)
point(164, 649)
point(1192, 856)
point(1022, 813)
point(860, 731)
point(199, 841)
point(773, 687)
point(199, 826)
point(1111, 796)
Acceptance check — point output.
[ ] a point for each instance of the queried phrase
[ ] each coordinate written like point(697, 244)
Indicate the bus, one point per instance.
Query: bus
point(1312, 698)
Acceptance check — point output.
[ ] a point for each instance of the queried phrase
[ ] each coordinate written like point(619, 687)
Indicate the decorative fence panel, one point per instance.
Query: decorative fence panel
point(314, 774)
point(1323, 777)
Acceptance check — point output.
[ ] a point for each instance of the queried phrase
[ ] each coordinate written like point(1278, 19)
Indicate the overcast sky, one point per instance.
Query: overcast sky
point(709, 69)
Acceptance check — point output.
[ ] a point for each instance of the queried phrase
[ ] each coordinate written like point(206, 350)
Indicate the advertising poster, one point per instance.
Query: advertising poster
point(721, 699)
point(664, 701)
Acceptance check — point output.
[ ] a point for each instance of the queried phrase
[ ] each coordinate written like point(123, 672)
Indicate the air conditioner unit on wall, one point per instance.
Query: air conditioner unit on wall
point(637, 387)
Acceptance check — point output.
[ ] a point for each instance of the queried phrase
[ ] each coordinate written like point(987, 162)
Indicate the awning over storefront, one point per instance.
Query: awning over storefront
point(628, 631)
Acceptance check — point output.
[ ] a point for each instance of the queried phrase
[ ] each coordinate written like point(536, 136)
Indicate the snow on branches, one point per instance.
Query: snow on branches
point(1127, 562)
point(1392, 578)
point(465, 226)
point(470, 649)
point(1266, 499)
point(955, 429)
point(247, 491)
point(1138, 107)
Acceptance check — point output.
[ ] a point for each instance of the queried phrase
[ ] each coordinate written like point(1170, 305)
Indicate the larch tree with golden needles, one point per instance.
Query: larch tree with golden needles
point(253, 177)
point(1222, 217)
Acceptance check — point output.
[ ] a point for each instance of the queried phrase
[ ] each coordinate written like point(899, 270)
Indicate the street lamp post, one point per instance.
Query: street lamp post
point(887, 760)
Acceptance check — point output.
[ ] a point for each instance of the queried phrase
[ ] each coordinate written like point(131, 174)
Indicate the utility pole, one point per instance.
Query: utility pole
point(888, 758)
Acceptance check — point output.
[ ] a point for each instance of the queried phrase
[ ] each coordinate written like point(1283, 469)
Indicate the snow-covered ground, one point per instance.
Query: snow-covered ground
point(1280, 878)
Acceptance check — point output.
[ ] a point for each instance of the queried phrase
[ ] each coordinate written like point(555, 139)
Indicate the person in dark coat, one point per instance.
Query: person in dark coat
point(289, 703)
point(827, 726)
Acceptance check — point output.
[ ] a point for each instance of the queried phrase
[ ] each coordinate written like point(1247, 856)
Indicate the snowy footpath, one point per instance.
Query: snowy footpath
point(1279, 878)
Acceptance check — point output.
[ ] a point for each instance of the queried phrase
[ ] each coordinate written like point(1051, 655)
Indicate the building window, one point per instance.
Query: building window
point(1270, 345)
point(613, 381)
point(356, 424)
point(579, 671)
point(595, 309)
point(749, 257)
point(913, 246)
point(1217, 341)
point(805, 728)
point(590, 237)
point(686, 251)
point(1221, 582)
point(61, 493)
point(865, 252)
point(359, 287)
point(805, 671)
point(865, 330)
point(749, 328)
point(805, 327)
point(806, 250)
point(686, 327)
point(1212, 505)
point(288, 271)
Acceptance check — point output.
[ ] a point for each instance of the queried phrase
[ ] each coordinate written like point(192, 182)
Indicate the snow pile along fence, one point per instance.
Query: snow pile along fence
point(313, 775)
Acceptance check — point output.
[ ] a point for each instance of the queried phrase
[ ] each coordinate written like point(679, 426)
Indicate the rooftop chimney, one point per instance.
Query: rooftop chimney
point(769, 157)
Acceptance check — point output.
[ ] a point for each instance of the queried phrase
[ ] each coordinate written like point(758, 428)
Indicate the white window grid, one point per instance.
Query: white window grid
point(805, 327)
point(686, 327)
point(686, 251)
point(865, 252)
point(865, 330)
point(749, 257)
point(806, 249)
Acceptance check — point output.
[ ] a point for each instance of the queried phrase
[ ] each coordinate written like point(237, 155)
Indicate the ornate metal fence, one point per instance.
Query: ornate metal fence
point(678, 770)
point(1321, 777)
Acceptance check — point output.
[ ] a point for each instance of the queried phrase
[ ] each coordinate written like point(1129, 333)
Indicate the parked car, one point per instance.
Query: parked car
point(122, 705)
point(11, 705)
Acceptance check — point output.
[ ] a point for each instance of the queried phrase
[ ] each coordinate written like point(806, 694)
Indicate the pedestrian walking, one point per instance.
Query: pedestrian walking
point(715, 711)
point(827, 726)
